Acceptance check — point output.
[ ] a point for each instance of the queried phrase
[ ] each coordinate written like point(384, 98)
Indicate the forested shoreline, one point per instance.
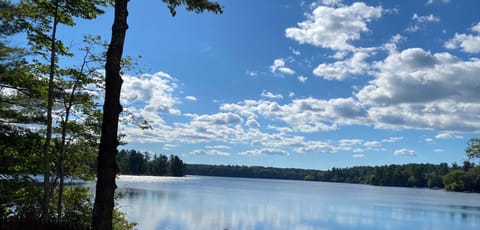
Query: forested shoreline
point(454, 177)
point(459, 178)
point(132, 162)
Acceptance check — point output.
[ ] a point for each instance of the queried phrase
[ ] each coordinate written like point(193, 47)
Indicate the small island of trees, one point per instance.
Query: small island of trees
point(132, 162)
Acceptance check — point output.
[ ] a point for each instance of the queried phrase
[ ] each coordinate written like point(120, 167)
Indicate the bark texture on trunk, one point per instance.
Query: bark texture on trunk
point(107, 166)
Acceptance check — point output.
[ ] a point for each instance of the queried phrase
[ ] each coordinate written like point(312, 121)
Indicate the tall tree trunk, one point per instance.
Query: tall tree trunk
point(68, 103)
point(61, 163)
point(50, 97)
point(107, 166)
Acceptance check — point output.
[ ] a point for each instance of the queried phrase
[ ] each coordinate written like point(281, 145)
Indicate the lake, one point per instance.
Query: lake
point(199, 202)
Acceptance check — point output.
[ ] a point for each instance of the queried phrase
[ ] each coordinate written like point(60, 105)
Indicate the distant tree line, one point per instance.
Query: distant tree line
point(132, 162)
point(452, 178)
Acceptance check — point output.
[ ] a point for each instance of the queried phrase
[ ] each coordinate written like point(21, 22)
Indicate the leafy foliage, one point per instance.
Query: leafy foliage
point(120, 221)
point(197, 6)
point(19, 159)
point(29, 78)
point(473, 149)
point(461, 180)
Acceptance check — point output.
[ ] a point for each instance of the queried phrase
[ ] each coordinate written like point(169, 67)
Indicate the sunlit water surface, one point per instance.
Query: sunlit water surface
point(197, 202)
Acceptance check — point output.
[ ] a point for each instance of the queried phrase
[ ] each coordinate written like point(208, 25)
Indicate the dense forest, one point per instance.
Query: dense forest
point(132, 162)
point(452, 178)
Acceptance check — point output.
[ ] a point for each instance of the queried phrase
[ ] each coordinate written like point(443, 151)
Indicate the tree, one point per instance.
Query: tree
point(107, 168)
point(132, 162)
point(21, 92)
point(19, 106)
point(137, 162)
point(159, 165)
point(19, 157)
point(175, 166)
point(473, 149)
point(41, 19)
point(77, 101)
point(455, 180)
point(122, 161)
point(40, 86)
point(434, 180)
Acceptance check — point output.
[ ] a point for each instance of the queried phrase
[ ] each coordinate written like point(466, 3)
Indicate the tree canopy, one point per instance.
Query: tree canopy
point(132, 162)
point(473, 149)
point(37, 101)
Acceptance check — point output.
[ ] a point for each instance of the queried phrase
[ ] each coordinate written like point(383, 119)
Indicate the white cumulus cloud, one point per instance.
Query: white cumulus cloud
point(209, 152)
point(265, 151)
point(252, 123)
point(469, 43)
point(316, 147)
point(420, 21)
point(278, 66)
point(271, 95)
point(191, 98)
point(372, 144)
point(147, 98)
point(350, 142)
point(340, 70)
point(334, 27)
point(392, 139)
point(307, 114)
point(418, 89)
point(153, 91)
point(218, 147)
point(404, 152)
point(302, 79)
point(331, 2)
point(251, 73)
point(219, 119)
point(446, 136)
point(433, 1)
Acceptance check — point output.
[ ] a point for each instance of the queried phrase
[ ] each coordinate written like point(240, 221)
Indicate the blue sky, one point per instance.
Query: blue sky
point(304, 84)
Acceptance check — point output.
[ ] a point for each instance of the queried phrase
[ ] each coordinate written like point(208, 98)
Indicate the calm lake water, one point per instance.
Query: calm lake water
point(198, 202)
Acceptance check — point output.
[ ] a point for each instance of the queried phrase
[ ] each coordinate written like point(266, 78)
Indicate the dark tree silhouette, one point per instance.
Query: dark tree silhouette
point(176, 167)
point(132, 162)
point(107, 167)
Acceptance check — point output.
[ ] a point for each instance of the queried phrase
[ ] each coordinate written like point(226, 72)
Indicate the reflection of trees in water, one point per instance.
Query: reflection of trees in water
point(225, 203)
point(468, 214)
point(131, 193)
point(149, 195)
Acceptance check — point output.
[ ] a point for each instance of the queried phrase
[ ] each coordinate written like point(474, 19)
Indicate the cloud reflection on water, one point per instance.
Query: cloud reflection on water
point(233, 203)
